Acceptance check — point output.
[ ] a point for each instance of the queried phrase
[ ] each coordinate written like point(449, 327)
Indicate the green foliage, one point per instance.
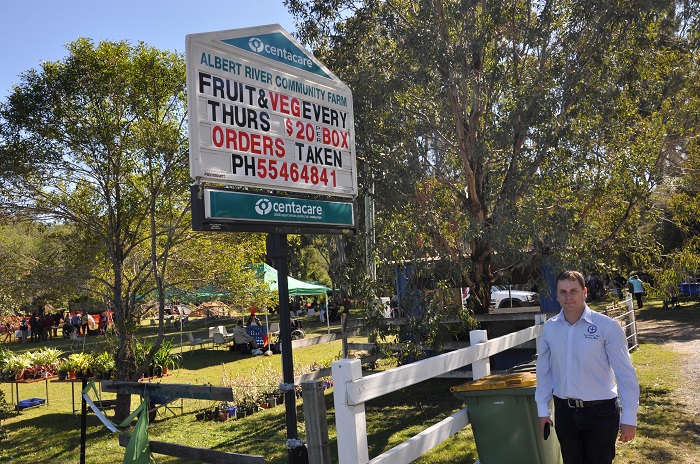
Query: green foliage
point(5, 413)
point(165, 357)
point(502, 137)
point(103, 363)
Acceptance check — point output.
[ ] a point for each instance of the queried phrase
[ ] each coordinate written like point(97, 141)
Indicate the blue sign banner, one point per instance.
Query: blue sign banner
point(277, 47)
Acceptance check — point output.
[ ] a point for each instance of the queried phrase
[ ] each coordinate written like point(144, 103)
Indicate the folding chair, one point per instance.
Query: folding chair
point(76, 342)
point(219, 339)
point(227, 336)
point(194, 341)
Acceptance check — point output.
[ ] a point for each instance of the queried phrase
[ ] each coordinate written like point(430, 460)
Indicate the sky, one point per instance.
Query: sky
point(33, 31)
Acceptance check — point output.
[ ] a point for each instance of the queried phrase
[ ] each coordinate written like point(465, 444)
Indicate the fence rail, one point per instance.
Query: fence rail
point(351, 391)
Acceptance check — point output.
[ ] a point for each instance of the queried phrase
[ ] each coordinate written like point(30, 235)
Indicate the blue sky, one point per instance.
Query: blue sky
point(33, 31)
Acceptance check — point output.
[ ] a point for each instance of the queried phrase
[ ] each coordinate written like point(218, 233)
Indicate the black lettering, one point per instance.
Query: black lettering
point(245, 162)
point(300, 150)
point(264, 121)
point(218, 87)
point(204, 81)
point(213, 105)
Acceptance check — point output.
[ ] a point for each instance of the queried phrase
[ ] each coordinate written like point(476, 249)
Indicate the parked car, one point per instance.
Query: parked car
point(505, 297)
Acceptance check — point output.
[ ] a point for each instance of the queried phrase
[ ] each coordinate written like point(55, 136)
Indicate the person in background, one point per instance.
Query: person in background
point(84, 320)
point(7, 333)
point(47, 324)
point(68, 327)
point(583, 364)
point(75, 320)
point(34, 328)
point(24, 329)
point(240, 336)
point(637, 290)
point(253, 319)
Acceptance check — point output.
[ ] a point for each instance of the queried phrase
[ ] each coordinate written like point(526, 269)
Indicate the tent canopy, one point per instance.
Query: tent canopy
point(296, 287)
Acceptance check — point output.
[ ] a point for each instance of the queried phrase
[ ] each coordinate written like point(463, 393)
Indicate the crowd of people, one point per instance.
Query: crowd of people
point(599, 286)
point(36, 328)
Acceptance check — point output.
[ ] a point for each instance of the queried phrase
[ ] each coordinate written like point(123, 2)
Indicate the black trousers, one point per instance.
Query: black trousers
point(587, 435)
point(639, 296)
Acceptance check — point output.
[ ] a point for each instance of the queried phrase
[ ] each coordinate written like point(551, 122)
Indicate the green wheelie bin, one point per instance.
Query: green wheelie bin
point(503, 415)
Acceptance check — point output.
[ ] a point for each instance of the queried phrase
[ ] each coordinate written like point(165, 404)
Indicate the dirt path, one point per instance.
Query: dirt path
point(683, 338)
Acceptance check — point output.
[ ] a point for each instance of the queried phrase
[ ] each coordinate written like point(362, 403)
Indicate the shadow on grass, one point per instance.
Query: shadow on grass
point(670, 322)
point(666, 423)
point(31, 431)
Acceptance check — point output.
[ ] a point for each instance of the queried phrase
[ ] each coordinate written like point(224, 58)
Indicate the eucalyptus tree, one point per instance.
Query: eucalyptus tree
point(506, 134)
point(98, 140)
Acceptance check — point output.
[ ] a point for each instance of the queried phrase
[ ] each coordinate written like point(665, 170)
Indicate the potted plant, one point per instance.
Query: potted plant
point(165, 358)
point(63, 368)
point(47, 361)
point(16, 365)
point(81, 363)
point(102, 365)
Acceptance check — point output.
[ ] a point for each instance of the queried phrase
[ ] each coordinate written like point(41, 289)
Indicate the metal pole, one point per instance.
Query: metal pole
point(83, 423)
point(279, 253)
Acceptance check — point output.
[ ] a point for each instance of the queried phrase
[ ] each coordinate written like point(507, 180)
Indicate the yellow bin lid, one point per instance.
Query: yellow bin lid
point(499, 382)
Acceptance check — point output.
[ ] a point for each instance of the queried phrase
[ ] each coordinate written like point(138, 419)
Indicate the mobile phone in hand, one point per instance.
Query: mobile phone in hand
point(546, 430)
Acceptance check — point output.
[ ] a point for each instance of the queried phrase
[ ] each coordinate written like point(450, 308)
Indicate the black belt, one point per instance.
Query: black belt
point(575, 403)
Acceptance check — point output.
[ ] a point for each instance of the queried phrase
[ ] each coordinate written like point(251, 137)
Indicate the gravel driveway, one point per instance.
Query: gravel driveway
point(685, 339)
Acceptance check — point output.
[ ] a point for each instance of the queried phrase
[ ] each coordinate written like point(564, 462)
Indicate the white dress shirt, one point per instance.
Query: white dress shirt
point(583, 361)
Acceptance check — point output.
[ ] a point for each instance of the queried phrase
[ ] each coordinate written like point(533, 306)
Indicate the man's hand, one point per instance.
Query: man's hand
point(627, 432)
point(543, 421)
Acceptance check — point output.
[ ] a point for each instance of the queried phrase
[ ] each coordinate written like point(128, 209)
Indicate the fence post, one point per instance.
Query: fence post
point(350, 421)
point(540, 319)
point(631, 323)
point(482, 367)
point(344, 333)
point(316, 422)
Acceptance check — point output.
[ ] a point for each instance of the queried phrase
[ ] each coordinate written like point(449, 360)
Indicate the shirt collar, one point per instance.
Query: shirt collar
point(587, 316)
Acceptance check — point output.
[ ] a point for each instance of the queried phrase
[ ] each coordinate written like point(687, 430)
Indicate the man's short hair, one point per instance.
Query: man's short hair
point(572, 275)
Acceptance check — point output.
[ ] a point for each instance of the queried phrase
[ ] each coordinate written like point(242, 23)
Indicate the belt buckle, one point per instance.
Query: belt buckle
point(578, 404)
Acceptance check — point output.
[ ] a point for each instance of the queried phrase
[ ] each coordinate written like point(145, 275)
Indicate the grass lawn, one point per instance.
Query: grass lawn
point(52, 434)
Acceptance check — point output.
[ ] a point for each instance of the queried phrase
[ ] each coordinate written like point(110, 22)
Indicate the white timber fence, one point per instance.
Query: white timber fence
point(623, 313)
point(351, 391)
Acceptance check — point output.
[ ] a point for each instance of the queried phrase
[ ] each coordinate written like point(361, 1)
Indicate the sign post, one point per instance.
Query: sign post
point(265, 115)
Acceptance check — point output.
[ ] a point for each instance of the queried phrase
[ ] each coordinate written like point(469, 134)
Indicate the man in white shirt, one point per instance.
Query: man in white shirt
point(583, 363)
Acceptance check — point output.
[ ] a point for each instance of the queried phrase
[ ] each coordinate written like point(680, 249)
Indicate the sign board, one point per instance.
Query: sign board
point(227, 204)
point(231, 210)
point(263, 112)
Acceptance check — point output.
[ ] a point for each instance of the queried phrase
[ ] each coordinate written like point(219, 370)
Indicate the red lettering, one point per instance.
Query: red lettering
point(284, 104)
point(334, 137)
point(296, 107)
point(274, 98)
point(267, 145)
point(217, 136)
point(279, 147)
point(244, 141)
point(231, 139)
point(255, 144)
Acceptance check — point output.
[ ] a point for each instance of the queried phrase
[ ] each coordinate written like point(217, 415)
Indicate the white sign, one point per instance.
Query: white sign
point(263, 112)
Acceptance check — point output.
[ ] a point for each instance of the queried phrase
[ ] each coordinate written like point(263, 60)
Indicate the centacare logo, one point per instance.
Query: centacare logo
point(278, 47)
point(256, 44)
point(263, 206)
point(281, 51)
